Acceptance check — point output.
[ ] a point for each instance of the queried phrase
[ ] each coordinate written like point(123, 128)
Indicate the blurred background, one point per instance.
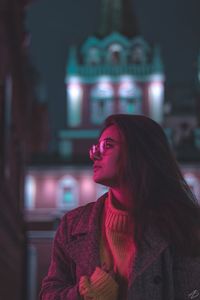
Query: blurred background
point(64, 67)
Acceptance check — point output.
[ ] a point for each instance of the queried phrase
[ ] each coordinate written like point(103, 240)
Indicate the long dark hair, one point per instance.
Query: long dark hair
point(161, 195)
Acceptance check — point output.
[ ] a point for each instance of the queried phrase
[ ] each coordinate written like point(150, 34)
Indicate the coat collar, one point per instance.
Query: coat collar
point(90, 219)
point(84, 246)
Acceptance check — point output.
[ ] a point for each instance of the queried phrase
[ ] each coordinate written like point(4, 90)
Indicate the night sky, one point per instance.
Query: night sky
point(56, 24)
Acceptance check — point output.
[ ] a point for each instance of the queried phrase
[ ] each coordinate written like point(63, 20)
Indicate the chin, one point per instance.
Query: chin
point(104, 181)
point(97, 179)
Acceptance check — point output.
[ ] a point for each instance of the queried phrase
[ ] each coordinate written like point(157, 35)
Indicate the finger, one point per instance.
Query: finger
point(84, 286)
point(84, 281)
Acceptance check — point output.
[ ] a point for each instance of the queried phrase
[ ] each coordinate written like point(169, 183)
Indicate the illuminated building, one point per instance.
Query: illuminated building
point(107, 75)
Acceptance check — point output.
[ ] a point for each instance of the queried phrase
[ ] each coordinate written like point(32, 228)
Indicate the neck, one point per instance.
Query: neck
point(121, 199)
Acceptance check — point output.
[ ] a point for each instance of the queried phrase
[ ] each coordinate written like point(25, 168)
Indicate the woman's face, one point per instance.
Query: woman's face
point(107, 160)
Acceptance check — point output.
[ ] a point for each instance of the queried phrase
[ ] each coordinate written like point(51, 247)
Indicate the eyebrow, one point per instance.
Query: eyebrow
point(108, 139)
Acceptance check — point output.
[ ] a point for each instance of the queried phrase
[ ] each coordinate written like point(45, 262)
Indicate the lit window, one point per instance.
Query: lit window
point(30, 192)
point(101, 102)
point(140, 51)
point(138, 55)
point(93, 57)
point(68, 193)
point(156, 97)
point(130, 98)
point(115, 54)
point(74, 103)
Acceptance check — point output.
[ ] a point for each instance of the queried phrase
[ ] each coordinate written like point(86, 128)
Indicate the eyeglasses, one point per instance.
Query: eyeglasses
point(98, 150)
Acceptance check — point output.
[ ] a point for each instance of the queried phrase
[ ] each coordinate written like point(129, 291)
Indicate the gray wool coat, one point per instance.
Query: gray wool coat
point(158, 273)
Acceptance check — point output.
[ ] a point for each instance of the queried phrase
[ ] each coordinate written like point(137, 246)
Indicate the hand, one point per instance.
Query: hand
point(85, 288)
point(100, 286)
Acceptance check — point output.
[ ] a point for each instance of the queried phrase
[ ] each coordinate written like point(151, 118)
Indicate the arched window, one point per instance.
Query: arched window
point(101, 102)
point(115, 54)
point(130, 98)
point(140, 51)
point(138, 55)
point(93, 56)
point(67, 193)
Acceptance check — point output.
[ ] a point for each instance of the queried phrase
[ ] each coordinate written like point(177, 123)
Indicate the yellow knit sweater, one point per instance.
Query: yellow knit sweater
point(117, 248)
point(117, 252)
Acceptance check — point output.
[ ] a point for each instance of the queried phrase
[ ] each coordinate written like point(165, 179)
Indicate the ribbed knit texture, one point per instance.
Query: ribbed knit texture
point(117, 251)
point(117, 247)
point(100, 286)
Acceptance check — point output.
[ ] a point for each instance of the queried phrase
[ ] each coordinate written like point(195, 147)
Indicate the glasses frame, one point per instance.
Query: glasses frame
point(96, 151)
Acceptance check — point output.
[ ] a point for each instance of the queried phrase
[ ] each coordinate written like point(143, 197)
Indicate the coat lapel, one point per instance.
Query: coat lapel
point(83, 247)
point(85, 252)
point(152, 247)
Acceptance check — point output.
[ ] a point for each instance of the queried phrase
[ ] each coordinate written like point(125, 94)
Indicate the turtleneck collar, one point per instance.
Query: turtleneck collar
point(117, 219)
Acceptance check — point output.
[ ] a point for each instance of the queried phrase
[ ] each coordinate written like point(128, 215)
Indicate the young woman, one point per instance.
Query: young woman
point(139, 241)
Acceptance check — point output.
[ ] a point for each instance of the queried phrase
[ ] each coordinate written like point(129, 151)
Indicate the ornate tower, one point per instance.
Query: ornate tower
point(114, 71)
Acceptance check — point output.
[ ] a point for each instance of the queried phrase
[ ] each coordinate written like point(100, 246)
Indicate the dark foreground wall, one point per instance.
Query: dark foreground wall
point(12, 250)
point(18, 137)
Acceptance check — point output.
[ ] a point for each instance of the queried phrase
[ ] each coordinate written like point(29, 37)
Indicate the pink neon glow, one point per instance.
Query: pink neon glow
point(87, 187)
point(49, 187)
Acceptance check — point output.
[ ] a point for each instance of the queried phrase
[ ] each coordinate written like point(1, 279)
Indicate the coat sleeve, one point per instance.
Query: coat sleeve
point(60, 283)
point(187, 278)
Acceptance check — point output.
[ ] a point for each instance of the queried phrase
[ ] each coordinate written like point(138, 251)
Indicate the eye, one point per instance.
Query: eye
point(105, 144)
point(108, 145)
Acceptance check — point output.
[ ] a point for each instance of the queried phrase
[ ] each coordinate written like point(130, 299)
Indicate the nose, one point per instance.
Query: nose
point(95, 153)
point(96, 156)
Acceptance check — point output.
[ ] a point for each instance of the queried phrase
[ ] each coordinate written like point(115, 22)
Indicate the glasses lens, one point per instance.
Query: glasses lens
point(93, 151)
point(97, 150)
point(102, 145)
